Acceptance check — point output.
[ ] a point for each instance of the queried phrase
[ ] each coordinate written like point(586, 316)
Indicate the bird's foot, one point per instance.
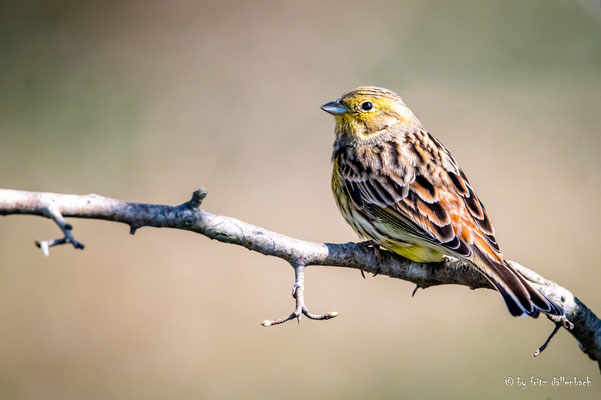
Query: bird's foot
point(377, 253)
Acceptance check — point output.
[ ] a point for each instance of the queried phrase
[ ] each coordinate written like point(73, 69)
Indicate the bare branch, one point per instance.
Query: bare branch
point(299, 253)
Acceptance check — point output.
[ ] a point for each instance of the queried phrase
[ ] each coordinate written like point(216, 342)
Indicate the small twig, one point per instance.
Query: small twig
point(544, 346)
point(298, 294)
point(197, 198)
point(51, 211)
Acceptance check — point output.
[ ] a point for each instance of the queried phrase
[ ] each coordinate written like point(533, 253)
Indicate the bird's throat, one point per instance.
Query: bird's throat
point(350, 130)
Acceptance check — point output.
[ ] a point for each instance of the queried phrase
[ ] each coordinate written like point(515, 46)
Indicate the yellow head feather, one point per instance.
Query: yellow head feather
point(369, 110)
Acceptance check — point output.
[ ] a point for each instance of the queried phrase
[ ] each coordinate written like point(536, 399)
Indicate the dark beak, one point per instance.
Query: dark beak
point(334, 107)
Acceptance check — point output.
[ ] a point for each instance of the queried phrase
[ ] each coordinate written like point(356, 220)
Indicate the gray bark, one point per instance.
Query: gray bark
point(586, 327)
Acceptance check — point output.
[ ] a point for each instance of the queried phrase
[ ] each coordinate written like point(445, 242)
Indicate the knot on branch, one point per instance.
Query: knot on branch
point(197, 198)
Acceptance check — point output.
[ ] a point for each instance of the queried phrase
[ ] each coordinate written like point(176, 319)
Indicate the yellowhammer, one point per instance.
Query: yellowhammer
point(399, 187)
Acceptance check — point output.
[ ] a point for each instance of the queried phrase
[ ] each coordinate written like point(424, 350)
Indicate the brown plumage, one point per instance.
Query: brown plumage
point(398, 186)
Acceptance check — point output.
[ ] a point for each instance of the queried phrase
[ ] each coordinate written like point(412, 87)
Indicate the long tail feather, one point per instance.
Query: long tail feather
point(520, 297)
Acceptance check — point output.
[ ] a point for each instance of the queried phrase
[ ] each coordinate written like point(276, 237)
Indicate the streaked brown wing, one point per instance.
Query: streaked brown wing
point(441, 208)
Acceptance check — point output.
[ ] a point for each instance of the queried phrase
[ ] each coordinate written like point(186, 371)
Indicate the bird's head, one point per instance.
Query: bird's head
point(367, 112)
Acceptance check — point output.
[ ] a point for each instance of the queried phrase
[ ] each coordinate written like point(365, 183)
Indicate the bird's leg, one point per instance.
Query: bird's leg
point(377, 253)
point(298, 295)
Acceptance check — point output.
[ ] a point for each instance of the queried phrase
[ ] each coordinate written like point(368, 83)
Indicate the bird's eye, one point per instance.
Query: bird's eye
point(367, 106)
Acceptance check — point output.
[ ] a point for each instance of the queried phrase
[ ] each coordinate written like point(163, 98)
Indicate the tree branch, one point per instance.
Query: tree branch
point(299, 253)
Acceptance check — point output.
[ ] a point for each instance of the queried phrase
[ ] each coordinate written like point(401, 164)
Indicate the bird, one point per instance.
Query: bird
point(400, 188)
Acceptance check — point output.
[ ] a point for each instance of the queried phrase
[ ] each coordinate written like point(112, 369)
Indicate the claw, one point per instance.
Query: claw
point(377, 253)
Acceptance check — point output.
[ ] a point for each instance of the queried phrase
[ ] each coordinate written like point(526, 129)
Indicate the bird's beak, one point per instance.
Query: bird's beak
point(334, 107)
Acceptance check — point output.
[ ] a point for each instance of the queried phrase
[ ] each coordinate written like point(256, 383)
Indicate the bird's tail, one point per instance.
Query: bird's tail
point(520, 297)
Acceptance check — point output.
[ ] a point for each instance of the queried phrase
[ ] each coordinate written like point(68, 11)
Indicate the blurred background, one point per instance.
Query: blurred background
point(148, 100)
